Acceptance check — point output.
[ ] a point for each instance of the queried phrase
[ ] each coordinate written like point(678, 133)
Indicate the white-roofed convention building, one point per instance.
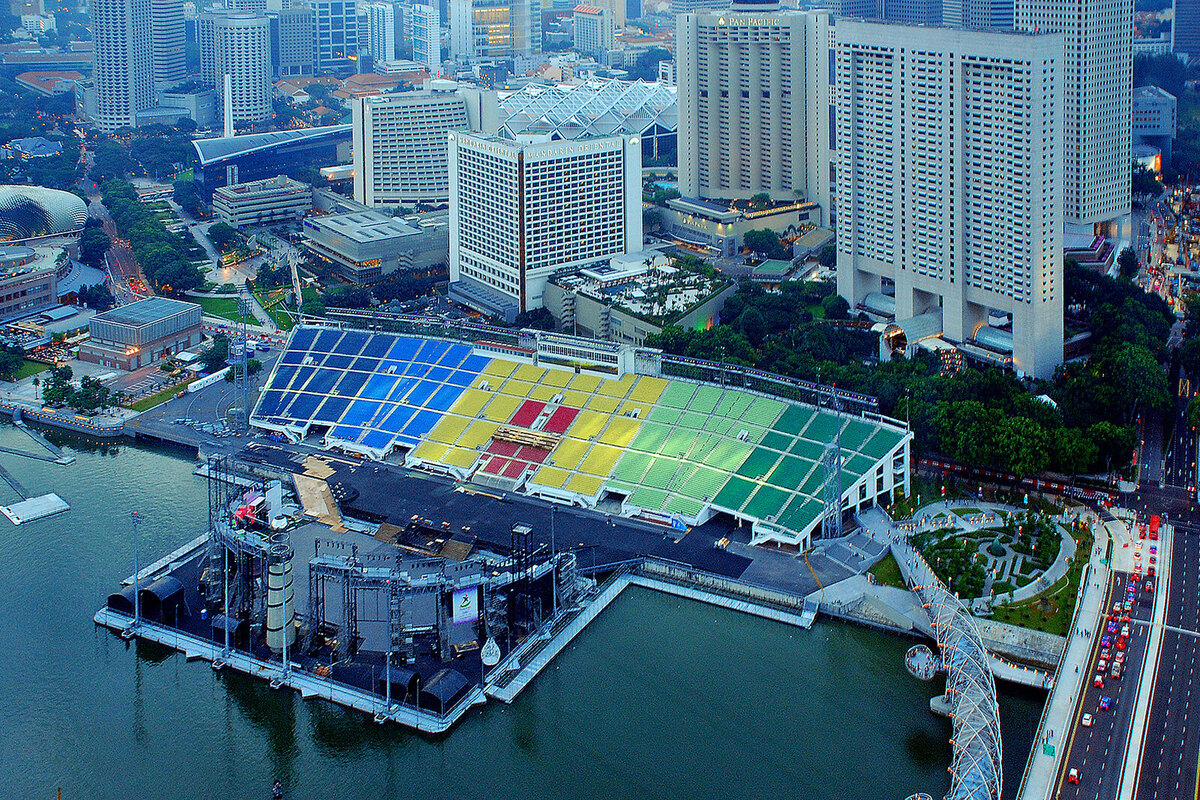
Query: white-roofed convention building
point(595, 108)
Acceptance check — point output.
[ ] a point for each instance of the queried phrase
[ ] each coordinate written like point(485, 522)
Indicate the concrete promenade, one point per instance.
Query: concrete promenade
point(1041, 772)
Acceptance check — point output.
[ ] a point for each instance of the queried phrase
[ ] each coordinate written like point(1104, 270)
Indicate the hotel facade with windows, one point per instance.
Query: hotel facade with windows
point(522, 211)
point(949, 185)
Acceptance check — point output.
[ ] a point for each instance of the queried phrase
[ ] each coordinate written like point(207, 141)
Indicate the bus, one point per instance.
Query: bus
point(1154, 526)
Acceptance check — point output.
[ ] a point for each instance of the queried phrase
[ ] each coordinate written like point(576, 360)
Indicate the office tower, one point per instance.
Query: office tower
point(238, 44)
point(400, 146)
point(753, 104)
point(492, 29)
point(1185, 28)
point(698, 6)
point(425, 32)
point(250, 6)
point(594, 34)
point(291, 41)
point(615, 7)
point(522, 210)
point(978, 13)
point(916, 12)
point(335, 35)
point(1097, 103)
point(381, 31)
point(167, 43)
point(949, 146)
point(123, 66)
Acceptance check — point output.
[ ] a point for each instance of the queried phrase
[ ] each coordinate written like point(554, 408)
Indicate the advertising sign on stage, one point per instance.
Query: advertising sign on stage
point(466, 605)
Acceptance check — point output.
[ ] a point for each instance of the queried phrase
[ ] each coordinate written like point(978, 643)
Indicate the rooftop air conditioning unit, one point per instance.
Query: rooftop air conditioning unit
point(743, 435)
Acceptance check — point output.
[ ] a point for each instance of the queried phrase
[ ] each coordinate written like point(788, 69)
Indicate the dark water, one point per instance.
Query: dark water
point(660, 697)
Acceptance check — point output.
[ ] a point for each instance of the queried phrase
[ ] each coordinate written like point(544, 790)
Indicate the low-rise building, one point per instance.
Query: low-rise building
point(364, 246)
point(28, 280)
point(1154, 119)
point(634, 296)
point(31, 147)
point(49, 82)
point(141, 333)
point(717, 227)
point(262, 202)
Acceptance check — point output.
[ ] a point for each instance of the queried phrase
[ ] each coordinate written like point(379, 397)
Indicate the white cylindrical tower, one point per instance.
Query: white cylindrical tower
point(281, 629)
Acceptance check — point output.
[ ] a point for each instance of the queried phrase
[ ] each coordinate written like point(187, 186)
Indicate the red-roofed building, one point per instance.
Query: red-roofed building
point(49, 82)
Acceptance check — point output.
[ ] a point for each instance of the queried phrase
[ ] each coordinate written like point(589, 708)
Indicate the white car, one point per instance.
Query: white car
point(1087, 720)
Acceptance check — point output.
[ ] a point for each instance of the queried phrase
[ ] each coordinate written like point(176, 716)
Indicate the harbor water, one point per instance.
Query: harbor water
point(660, 697)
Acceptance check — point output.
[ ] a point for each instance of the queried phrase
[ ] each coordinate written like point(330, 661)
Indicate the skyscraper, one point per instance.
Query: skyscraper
point(238, 43)
point(426, 34)
point(522, 210)
point(753, 104)
point(949, 146)
point(1185, 28)
point(1097, 103)
point(491, 29)
point(167, 42)
point(335, 35)
point(594, 33)
point(977, 13)
point(400, 149)
point(381, 30)
point(291, 41)
point(123, 65)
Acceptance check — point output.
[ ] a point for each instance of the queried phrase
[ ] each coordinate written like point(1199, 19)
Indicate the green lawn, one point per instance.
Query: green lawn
point(30, 368)
point(219, 307)
point(1050, 611)
point(159, 398)
point(887, 572)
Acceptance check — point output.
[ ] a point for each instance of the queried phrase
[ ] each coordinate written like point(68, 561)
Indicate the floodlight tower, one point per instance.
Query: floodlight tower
point(238, 361)
point(831, 462)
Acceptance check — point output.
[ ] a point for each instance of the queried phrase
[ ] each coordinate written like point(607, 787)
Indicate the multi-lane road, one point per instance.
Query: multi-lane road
point(1096, 751)
point(1170, 762)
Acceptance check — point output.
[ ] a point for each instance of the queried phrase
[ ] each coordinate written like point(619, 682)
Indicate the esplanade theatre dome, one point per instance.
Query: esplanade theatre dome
point(29, 211)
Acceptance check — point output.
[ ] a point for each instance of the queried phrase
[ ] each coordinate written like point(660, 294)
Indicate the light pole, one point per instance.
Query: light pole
point(137, 586)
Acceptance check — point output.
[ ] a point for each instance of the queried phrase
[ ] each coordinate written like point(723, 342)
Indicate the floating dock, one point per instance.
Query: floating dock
point(46, 505)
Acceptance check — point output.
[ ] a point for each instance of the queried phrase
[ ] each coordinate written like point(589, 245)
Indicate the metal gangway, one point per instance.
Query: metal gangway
point(975, 768)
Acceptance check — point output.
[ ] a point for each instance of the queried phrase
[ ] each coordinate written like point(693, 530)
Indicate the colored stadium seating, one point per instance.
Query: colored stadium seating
point(672, 448)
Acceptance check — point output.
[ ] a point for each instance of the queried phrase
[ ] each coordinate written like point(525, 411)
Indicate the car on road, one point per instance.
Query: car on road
point(1116, 671)
point(1105, 703)
point(1102, 666)
point(1106, 654)
point(1073, 776)
point(1149, 587)
point(1125, 631)
point(1150, 573)
point(1106, 641)
point(1129, 605)
point(1112, 626)
point(1098, 682)
point(1120, 644)
point(1087, 720)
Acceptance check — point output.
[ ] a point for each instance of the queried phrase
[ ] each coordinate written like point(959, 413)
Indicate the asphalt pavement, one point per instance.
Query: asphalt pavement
point(1170, 764)
point(1097, 751)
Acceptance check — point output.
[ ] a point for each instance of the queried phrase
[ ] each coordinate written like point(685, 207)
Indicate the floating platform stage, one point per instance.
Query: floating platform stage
point(46, 505)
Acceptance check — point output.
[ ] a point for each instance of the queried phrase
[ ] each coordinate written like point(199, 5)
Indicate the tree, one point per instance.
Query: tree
point(11, 359)
point(1165, 71)
point(91, 395)
point(1145, 183)
point(752, 326)
point(97, 297)
point(347, 297)
point(222, 235)
point(214, 357)
point(313, 307)
point(827, 257)
point(767, 242)
point(111, 161)
point(1128, 263)
point(760, 201)
point(93, 244)
point(646, 66)
point(56, 388)
point(835, 307)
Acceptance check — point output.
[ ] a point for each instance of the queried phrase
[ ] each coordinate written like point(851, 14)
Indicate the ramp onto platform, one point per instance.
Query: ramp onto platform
point(35, 508)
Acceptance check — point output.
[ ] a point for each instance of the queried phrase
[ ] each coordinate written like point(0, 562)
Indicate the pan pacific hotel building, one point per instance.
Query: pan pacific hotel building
point(522, 210)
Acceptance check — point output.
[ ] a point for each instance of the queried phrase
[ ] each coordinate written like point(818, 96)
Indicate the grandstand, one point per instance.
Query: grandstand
point(672, 450)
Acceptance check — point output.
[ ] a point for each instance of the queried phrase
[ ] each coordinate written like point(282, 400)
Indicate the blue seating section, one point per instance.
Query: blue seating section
point(371, 389)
